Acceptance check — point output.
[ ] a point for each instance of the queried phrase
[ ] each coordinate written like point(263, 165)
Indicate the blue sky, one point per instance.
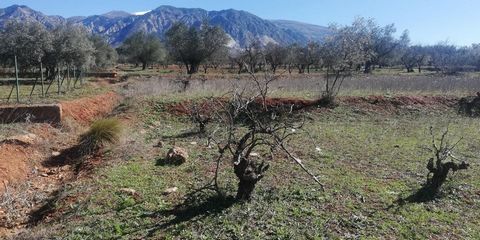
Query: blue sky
point(429, 21)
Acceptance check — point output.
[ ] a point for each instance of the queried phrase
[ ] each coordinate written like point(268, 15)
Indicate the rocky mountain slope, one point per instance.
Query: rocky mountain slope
point(243, 27)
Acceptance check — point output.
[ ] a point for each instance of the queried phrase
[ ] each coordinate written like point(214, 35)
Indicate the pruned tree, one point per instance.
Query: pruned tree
point(246, 123)
point(143, 48)
point(193, 46)
point(442, 163)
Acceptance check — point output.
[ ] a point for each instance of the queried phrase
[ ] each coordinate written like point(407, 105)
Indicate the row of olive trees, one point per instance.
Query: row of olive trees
point(186, 46)
point(70, 47)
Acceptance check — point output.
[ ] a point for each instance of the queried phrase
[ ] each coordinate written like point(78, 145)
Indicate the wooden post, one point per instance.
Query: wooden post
point(74, 77)
point(58, 82)
point(41, 78)
point(68, 78)
point(17, 82)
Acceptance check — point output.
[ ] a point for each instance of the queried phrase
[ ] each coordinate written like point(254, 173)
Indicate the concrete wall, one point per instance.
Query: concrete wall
point(34, 113)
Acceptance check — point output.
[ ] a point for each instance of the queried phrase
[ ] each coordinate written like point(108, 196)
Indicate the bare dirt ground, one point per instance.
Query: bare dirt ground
point(26, 181)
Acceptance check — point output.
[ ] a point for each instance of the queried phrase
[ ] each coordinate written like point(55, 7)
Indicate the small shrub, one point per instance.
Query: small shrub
point(101, 132)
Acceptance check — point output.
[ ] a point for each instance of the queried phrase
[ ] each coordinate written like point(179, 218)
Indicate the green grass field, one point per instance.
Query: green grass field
point(27, 96)
point(366, 160)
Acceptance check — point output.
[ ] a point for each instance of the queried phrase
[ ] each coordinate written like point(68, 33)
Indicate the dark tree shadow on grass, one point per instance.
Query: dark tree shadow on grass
point(163, 162)
point(422, 195)
point(425, 194)
point(190, 210)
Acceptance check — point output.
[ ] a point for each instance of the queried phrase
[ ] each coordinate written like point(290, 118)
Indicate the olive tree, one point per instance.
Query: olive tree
point(143, 48)
point(71, 48)
point(105, 55)
point(192, 46)
point(28, 41)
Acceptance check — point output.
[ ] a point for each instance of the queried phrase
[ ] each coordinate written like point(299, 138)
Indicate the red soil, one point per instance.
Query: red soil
point(13, 163)
point(392, 105)
point(85, 110)
point(17, 160)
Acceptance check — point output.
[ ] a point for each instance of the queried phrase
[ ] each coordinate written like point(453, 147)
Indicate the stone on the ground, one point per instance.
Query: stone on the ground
point(177, 155)
point(55, 154)
point(131, 192)
point(170, 190)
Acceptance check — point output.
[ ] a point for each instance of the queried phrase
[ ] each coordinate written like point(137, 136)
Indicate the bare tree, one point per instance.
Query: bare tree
point(253, 56)
point(275, 55)
point(245, 123)
point(341, 52)
point(381, 42)
point(442, 163)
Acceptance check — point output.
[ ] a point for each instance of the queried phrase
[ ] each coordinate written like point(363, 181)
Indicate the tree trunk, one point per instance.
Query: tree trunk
point(245, 190)
point(440, 175)
point(192, 69)
point(368, 67)
point(248, 178)
point(144, 65)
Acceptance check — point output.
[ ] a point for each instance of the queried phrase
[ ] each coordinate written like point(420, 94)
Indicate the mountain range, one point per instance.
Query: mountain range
point(242, 27)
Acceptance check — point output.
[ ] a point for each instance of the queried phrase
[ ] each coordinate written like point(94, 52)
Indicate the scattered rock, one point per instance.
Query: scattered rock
point(131, 192)
point(177, 155)
point(44, 175)
point(170, 190)
point(24, 140)
point(55, 154)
